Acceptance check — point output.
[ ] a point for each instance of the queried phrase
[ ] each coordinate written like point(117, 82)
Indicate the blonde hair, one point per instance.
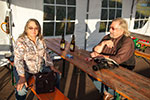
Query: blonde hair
point(26, 27)
point(123, 25)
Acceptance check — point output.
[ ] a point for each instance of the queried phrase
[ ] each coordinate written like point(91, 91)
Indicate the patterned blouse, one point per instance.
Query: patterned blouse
point(29, 56)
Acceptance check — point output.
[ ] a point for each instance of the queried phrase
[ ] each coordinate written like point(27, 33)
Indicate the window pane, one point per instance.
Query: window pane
point(112, 3)
point(147, 12)
point(137, 16)
point(48, 13)
point(70, 28)
point(147, 17)
point(49, 1)
point(142, 13)
point(119, 13)
point(104, 14)
point(109, 23)
point(104, 3)
point(48, 29)
point(144, 22)
point(119, 3)
point(142, 16)
point(143, 7)
point(141, 24)
point(71, 2)
point(61, 13)
point(60, 1)
point(60, 28)
point(102, 26)
point(111, 9)
point(136, 24)
point(111, 14)
point(71, 13)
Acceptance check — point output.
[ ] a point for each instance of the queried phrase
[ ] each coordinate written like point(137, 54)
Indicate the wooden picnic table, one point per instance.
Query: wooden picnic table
point(127, 83)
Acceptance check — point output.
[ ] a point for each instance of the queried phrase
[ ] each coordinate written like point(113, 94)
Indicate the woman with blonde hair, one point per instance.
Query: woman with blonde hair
point(30, 53)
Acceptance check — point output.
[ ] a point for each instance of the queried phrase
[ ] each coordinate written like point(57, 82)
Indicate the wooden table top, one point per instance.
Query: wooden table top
point(127, 83)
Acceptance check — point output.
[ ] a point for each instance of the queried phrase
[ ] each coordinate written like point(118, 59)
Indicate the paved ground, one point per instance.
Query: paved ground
point(76, 85)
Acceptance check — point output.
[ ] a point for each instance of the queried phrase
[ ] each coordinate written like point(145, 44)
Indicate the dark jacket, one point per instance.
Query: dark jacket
point(122, 52)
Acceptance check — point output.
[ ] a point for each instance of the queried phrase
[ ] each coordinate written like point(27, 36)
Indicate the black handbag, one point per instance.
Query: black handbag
point(45, 82)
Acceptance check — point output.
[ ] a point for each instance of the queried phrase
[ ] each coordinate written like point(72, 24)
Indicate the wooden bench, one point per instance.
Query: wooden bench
point(56, 95)
point(144, 43)
point(142, 54)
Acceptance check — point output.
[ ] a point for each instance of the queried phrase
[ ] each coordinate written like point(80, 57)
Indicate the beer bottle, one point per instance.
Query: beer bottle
point(62, 43)
point(72, 44)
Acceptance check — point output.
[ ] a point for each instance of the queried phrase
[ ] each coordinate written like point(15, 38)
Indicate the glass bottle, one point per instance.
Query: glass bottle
point(72, 44)
point(62, 43)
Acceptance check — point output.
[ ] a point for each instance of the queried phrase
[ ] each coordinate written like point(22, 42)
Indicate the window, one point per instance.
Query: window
point(59, 17)
point(142, 13)
point(111, 9)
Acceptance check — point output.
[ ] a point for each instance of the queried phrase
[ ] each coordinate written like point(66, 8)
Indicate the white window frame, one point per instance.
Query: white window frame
point(55, 20)
point(107, 21)
point(141, 19)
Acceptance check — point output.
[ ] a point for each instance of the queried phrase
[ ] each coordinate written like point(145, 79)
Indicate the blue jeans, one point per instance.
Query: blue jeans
point(21, 95)
point(101, 87)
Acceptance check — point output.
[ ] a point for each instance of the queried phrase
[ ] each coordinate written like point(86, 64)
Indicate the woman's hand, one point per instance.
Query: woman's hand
point(21, 83)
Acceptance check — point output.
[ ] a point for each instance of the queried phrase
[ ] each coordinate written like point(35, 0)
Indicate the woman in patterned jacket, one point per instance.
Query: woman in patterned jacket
point(30, 52)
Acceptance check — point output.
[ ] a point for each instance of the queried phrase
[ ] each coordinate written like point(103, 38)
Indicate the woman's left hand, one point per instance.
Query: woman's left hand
point(21, 83)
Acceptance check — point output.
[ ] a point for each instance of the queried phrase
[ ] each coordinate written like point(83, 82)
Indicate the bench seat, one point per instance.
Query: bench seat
point(56, 95)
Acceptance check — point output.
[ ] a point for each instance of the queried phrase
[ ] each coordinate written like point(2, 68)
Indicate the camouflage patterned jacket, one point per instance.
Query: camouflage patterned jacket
point(29, 56)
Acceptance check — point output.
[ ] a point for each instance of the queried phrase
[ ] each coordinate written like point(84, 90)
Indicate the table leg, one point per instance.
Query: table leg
point(63, 70)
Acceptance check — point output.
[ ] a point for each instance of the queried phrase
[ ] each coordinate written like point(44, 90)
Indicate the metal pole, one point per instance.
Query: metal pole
point(131, 11)
point(86, 27)
point(10, 25)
